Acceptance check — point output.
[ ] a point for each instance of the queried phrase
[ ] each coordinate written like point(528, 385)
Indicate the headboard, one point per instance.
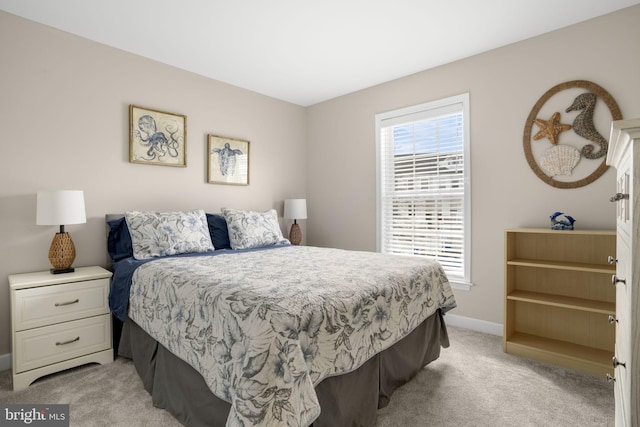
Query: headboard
point(111, 217)
point(107, 218)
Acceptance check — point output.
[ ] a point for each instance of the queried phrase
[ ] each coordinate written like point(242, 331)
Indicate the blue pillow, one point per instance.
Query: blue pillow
point(218, 231)
point(119, 244)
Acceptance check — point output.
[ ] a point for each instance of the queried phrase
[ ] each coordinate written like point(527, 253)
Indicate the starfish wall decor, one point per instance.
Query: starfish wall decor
point(550, 128)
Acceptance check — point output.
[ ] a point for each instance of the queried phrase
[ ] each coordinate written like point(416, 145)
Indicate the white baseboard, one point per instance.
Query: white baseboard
point(474, 324)
point(5, 362)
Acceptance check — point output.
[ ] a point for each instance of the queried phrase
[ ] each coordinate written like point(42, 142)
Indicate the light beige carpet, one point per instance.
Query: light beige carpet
point(473, 383)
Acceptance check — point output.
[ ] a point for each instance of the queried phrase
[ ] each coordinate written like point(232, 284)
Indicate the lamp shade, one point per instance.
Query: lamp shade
point(295, 208)
point(60, 207)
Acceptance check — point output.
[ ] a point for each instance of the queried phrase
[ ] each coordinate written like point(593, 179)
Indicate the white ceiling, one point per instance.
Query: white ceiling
point(308, 51)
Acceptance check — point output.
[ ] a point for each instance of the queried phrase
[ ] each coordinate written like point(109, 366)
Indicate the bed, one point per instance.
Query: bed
point(229, 324)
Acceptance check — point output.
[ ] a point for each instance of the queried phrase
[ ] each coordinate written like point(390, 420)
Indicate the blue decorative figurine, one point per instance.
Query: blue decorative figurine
point(558, 223)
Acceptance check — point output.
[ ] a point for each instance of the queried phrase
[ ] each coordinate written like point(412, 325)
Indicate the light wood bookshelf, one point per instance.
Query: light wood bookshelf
point(559, 296)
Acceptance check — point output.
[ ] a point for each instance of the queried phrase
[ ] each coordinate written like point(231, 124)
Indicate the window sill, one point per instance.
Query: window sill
point(460, 285)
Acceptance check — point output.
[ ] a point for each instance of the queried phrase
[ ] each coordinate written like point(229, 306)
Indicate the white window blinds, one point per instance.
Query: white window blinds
point(423, 190)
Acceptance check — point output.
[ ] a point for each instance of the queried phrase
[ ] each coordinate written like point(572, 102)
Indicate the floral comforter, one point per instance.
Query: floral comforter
point(264, 327)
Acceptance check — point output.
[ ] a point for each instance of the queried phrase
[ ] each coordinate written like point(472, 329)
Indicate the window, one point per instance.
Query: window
point(423, 184)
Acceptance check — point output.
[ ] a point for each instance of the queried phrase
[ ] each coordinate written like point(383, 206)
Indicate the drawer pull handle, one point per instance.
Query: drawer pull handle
point(615, 280)
point(619, 196)
point(68, 342)
point(612, 319)
point(615, 362)
point(610, 379)
point(59, 304)
point(612, 260)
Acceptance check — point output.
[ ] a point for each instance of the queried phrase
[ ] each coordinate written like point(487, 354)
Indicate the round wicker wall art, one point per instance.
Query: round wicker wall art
point(566, 134)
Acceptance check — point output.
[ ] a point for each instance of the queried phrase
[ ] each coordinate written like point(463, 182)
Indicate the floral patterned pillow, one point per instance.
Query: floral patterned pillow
point(155, 234)
point(248, 229)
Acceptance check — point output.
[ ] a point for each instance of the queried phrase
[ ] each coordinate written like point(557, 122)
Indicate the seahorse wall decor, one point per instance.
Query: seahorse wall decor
point(555, 164)
point(583, 125)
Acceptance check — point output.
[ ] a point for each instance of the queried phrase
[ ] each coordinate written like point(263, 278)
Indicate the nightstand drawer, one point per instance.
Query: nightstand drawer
point(50, 344)
point(47, 305)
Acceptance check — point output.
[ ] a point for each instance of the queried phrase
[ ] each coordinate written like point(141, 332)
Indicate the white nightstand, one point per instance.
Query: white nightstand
point(58, 321)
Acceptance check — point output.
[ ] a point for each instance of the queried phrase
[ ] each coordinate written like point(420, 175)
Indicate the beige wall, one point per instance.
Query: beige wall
point(64, 125)
point(504, 85)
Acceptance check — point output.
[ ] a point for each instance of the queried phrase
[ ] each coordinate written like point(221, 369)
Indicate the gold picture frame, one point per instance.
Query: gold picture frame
point(228, 160)
point(157, 137)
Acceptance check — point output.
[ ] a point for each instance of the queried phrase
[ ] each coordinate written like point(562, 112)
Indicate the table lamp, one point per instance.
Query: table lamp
point(60, 208)
point(295, 209)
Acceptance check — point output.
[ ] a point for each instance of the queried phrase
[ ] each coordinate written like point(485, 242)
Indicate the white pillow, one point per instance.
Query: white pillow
point(248, 229)
point(155, 234)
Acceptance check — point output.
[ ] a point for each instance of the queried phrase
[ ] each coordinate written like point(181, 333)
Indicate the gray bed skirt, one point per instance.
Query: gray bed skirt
point(346, 400)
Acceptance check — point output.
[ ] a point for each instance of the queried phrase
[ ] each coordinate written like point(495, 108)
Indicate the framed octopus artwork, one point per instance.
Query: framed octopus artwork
point(566, 134)
point(228, 161)
point(157, 137)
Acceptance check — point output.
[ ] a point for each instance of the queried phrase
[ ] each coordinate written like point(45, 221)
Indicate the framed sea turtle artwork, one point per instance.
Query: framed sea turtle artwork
point(228, 160)
point(566, 133)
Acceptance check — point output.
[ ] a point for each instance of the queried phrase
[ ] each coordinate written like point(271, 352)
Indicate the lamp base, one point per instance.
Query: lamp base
point(295, 235)
point(62, 253)
point(62, 270)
